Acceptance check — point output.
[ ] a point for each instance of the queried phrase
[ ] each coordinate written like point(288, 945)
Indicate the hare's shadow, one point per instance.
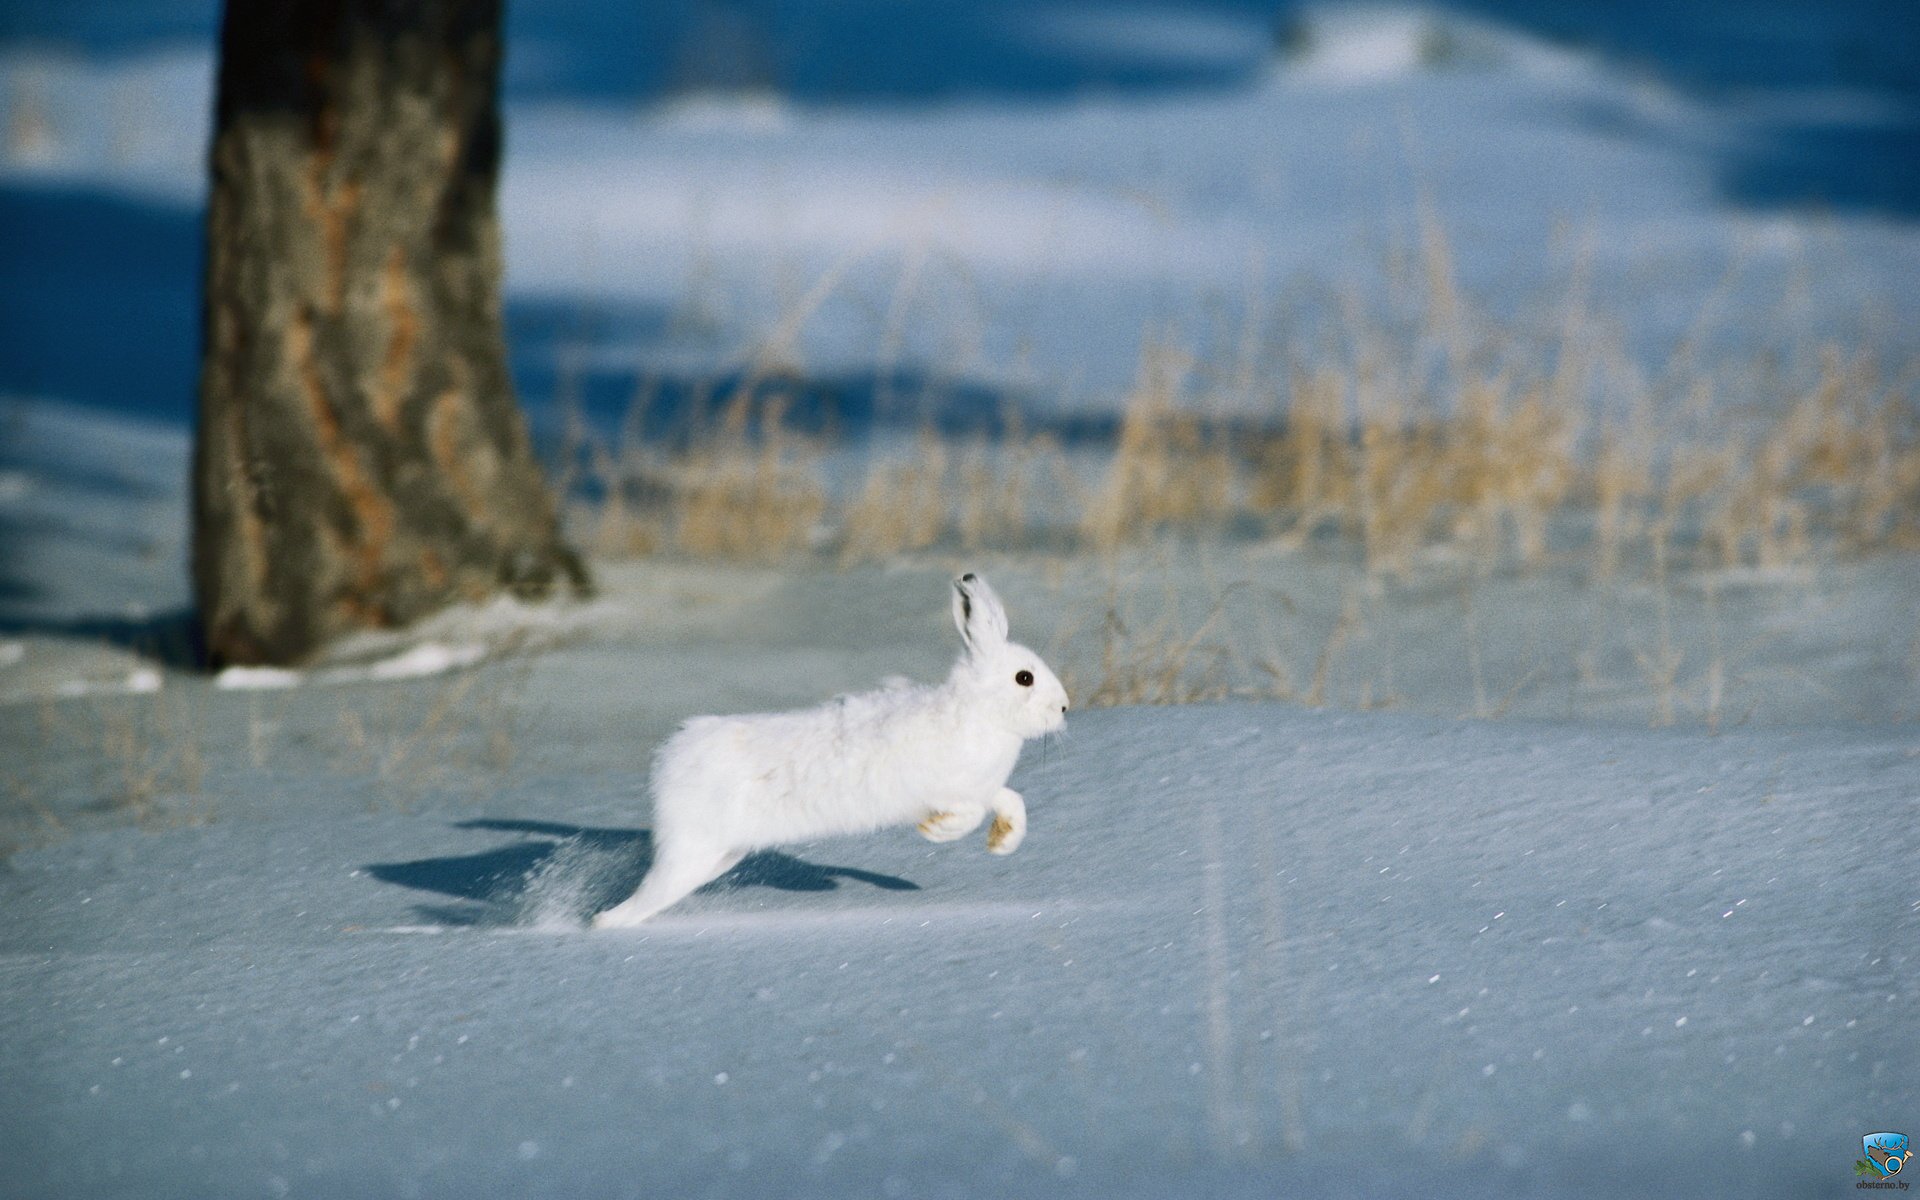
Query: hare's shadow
point(573, 871)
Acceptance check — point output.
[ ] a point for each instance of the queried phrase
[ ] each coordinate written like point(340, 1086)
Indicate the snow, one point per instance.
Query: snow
point(1143, 33)
point(1033, 247)
point(1348, 45)
point(425, 659)
point(138, 682)
point(256, 678)
point(129, 124)
point(1243, 947)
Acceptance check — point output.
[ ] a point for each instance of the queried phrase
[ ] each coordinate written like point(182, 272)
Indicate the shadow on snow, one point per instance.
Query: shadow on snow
point(570, 872)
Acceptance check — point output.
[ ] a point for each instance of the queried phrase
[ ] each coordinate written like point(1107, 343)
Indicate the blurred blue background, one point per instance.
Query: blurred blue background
point(99, 267)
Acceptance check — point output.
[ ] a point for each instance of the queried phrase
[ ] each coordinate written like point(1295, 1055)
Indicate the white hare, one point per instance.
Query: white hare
point(933, 755)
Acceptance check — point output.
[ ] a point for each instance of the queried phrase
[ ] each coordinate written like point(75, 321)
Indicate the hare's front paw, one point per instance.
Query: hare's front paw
point(1005, 836)
point(951, 826)
point(1009, 826)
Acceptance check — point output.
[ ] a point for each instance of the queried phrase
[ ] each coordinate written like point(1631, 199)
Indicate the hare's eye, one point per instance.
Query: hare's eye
point(1024, 678)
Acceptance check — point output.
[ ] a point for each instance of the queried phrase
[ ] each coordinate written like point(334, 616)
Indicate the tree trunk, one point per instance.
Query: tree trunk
point(360, 460)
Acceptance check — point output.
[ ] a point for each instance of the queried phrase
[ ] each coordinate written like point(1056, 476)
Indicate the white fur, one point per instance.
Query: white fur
point(933, 755)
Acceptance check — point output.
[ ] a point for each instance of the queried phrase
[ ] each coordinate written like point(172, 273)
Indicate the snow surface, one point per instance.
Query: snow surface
point(1030, 247)
point(1246, 951)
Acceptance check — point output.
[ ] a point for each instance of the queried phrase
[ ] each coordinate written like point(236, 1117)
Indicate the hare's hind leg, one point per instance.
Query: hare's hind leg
point(678, 869)
point(952, 824)
point(1009, 826)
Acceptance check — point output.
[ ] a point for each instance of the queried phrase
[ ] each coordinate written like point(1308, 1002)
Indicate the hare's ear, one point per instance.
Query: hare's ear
point(977, 611)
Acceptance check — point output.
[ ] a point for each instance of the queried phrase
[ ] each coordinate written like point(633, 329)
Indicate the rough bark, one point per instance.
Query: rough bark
point(360, 459)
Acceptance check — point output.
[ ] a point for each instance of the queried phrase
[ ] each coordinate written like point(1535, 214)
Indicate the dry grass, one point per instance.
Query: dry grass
point(749, 492)
point(1449, 433)
point(1397, 477)
point(150, 759)
point(1843, 461)
point(972, 494)
point(1158, 645)
point(745, 488)
point(1157, 661)
point(463, 733)
point(1006, 486)
point(902, 506)
point(1418, 434)
point(1168, 467)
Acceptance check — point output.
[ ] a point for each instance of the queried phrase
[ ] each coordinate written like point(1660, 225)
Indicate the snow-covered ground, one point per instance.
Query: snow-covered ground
point(1246, 950)
point(320, 933)
point(324, 936)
